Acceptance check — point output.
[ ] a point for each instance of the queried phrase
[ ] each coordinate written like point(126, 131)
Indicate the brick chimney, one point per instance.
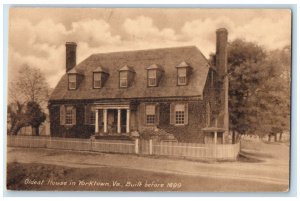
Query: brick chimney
point(221, 51)
point(70, 55)
point(221, 67)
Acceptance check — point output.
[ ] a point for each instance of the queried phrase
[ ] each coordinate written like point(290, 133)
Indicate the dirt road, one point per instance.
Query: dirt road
point(272, 168)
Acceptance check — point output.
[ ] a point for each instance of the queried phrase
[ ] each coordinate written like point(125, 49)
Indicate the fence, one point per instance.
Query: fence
point(144, 147)
point(113, 146)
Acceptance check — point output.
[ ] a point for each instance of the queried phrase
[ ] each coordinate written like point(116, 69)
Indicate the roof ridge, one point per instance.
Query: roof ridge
point(144, 50)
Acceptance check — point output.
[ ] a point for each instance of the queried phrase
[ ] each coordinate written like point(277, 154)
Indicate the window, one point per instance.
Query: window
point(97, 80)
point(181, 76)
point(72, 81)
point(152, 78)
point(92, 117)
point(179, 114)
point(69, 115)
point(123, 79)
point(150, 114)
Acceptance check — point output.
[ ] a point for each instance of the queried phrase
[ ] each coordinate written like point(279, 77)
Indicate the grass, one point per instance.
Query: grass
point(19, 174)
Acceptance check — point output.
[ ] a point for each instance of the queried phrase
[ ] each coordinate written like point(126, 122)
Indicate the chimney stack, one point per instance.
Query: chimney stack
point(221, 67)
point(70, 55)
point(221, 51)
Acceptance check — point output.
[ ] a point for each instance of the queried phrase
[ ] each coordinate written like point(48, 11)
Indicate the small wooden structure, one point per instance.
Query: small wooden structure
point(214, 135)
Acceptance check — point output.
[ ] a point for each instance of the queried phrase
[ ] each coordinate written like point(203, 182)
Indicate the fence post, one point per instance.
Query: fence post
point(150, 147)
point(91, 144)
point(136, 146)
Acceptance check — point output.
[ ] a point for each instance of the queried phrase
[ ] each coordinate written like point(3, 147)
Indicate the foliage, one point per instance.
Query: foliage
point(245, 75)
point(29, 85)
point(16, 117)
point(29, 88)
point(35, 116)
point(259, 85)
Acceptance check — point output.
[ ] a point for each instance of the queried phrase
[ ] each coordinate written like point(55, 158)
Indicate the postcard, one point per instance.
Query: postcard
point(149, 99)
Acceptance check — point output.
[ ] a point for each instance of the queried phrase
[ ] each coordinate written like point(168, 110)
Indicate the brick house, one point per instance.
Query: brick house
point(170, 90)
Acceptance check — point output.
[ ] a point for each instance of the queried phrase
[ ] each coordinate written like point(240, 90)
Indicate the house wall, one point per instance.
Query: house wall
point(192, 132)
point(80, 130)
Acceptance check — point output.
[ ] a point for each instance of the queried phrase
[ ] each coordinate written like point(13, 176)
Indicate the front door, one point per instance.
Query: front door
point(123, 121)
point(112, 121)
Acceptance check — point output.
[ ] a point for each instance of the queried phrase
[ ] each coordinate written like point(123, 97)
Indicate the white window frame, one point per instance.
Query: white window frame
point(152, 78)
point(123, 80)
point(69, 115)
point(97, 80)
point(151, 116)
point(72, 84)
point(180, 114)
point(180, 76)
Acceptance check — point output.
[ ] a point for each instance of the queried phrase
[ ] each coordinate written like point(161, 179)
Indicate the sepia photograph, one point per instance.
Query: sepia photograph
point(149, 99)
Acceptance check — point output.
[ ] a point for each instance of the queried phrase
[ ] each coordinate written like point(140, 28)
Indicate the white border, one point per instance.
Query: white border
point(157, 2)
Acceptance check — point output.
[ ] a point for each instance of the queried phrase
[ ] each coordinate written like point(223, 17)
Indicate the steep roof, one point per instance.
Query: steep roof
point(139, 61)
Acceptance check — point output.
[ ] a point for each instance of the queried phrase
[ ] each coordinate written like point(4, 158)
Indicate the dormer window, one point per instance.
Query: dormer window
point(183, 72)
point(126, 76)
point(72, 81)
point(123, 79)
point(152, 81)
point(181, 79)
point(100, 75)
point(97, 80)
point(154, 74)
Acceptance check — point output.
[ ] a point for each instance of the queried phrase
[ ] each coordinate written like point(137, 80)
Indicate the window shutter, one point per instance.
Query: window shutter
point(62, 114)
point(172, 113)
point(87, 113)
point(142, 113)
point(157, 114)
point(73, 115)
point(186, 114)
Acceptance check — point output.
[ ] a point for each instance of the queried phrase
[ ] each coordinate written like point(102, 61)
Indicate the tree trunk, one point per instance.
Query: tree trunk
point(35, 131)
point(233, 137)
point(275, 137)
point(269, 138)
point(280, 136)
point(15, 130)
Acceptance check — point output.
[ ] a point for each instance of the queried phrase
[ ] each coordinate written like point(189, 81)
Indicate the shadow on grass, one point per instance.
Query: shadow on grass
point(246, 157)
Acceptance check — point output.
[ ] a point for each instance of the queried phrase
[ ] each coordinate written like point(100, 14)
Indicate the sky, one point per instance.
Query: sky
point(37, 36)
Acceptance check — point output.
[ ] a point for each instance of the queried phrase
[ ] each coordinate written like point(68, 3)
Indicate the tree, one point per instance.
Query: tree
point(259, 89)
point(246, 74)
point(16, 117)
point(29, 85)
point(274, 94)
point(35, 116)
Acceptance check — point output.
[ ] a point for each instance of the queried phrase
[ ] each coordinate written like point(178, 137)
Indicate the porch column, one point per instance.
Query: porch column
point(96, 122)
point(215, 137)
point(119, 121)
point(127, 120)
point(105, 120)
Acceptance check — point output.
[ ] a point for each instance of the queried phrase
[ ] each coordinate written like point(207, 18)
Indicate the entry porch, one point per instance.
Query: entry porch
point(112, 119)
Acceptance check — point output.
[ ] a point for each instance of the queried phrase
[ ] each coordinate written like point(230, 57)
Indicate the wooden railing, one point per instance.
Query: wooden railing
point(144, 147)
